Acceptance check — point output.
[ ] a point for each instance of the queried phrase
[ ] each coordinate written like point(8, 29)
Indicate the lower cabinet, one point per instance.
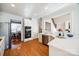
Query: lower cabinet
point(54, 51)
point(45, 39)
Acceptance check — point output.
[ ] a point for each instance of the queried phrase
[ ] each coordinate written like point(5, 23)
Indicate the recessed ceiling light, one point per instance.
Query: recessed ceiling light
point(13, 5)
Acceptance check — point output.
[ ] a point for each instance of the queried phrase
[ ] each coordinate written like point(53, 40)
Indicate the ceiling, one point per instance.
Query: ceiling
point(31, 9)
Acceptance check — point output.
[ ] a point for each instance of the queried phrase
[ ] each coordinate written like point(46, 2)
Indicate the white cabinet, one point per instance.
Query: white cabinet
point(65, 47)
point(2, 46)
point(54, 51)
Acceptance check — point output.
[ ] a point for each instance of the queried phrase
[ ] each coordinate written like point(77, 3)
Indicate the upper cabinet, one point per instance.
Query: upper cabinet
point(47, 26)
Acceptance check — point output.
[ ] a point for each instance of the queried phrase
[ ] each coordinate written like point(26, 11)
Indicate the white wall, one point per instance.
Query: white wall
point(62, 21)
point(34, 26)
point(5, 20)
point(4, 31)
point(75, 22)
point(5, 17)
point(75, 19)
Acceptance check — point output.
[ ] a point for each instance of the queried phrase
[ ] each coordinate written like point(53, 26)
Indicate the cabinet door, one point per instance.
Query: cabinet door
point(45, 39)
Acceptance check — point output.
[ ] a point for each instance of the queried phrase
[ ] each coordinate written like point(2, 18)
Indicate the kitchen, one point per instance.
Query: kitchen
point(57, 31)
point(66, 42)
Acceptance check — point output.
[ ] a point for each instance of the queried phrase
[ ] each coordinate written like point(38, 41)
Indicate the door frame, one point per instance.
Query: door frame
point(11, 21)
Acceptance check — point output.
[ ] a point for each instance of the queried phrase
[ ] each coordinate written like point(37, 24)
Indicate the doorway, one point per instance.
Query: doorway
point(15, 34)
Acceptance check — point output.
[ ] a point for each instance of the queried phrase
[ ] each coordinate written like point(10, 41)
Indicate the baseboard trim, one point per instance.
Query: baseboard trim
point(28, 39)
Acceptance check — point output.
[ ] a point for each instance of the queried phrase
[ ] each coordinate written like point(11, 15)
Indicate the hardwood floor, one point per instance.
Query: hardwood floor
point(15, 41)
point(30, 48)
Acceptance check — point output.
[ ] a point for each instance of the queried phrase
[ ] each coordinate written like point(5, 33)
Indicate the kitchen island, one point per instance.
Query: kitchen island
point(64, 46)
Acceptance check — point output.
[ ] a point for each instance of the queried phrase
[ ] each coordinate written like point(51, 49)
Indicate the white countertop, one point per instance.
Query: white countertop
point(70, 45)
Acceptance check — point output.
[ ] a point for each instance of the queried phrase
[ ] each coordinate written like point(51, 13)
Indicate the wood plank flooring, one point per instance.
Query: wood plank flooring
point(30, 48)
